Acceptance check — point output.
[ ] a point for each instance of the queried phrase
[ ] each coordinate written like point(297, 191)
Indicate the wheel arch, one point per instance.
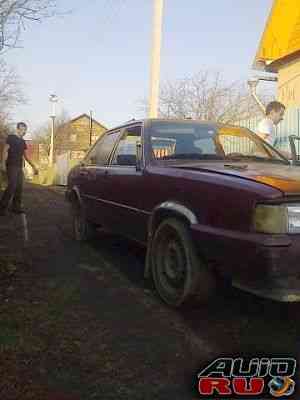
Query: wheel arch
point(74, 195)
point(163, 211)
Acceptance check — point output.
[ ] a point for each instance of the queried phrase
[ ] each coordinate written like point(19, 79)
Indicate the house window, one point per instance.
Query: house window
point(73, 137)
point(77, 155)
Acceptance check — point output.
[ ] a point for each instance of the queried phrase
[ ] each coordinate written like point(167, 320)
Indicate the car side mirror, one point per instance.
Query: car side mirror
point(292, 140)
point(139, 156)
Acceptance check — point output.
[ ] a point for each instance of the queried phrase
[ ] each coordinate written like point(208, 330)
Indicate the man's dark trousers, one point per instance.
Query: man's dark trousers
point(14, 188)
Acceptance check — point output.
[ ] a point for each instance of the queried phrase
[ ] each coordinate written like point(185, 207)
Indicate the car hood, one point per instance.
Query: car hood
point(283, 177)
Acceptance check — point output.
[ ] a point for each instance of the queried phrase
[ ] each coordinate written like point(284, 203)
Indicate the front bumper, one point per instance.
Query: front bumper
point(266, 265)
point(288, 292)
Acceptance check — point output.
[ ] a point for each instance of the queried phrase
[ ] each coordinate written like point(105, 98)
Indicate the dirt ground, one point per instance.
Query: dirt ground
point(79, 321)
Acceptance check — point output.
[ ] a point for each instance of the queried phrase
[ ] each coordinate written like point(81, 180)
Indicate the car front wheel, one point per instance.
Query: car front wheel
point(179, 274)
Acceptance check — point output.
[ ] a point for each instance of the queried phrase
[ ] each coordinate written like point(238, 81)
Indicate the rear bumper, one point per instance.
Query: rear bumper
point(266, 265)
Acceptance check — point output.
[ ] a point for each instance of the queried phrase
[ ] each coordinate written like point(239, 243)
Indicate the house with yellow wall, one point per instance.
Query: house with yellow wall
point(279, 50)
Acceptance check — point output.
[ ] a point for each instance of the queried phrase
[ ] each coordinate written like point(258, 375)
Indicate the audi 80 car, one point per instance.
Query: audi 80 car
point(209, 202)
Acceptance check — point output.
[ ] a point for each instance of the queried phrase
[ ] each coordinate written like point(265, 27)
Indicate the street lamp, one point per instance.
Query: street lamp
point(53, 99)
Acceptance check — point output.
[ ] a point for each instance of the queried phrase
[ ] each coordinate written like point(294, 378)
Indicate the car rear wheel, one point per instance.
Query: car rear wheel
point(83, 230)
point(179, 275)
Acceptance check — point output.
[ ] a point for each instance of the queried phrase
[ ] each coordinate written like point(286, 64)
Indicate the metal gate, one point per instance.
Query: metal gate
point(289, 126)
point(62, 168)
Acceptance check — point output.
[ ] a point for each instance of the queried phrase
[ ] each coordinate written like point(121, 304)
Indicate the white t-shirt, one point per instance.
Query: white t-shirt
point(266, 126)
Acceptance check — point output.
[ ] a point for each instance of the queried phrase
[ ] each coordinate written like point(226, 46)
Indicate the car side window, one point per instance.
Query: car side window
point(125, 154)
point(241, 144)
point(100, 153)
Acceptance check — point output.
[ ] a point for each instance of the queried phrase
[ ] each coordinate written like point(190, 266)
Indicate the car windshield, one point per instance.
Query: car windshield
point(198, 141)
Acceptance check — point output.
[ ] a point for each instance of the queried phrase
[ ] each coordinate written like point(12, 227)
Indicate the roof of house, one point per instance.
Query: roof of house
point(281, 38)
point(84, 115)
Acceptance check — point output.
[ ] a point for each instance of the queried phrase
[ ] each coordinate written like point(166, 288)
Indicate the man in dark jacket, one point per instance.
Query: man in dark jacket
point(14, 154)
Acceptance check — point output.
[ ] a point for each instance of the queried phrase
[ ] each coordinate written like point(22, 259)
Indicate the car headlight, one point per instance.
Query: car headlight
point(277, 219)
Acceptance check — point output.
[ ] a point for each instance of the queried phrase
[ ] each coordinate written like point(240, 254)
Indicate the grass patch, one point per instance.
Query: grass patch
point(9, 338)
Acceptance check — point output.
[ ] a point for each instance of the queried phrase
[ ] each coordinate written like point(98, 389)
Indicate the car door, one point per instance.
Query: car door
point(84, 174)
point(125, 187)
point(93, 178)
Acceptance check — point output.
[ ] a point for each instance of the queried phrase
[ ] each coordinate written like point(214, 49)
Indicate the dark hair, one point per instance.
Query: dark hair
point(274, 105)
point(21, 125)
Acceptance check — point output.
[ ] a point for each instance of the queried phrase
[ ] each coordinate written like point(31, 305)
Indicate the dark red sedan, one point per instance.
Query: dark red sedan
point(209, 201)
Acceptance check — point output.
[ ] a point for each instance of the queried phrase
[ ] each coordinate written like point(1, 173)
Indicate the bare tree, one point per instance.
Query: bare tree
point(206, 96)
point(11, 93)
point(15, 14)
point(5, 129)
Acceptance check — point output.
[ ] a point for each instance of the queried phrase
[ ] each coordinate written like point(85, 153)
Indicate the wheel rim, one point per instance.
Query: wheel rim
point(170, 265)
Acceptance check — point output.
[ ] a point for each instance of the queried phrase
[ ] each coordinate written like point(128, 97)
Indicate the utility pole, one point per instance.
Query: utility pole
point(155, 58)
point(53, 99)
point(91, 127)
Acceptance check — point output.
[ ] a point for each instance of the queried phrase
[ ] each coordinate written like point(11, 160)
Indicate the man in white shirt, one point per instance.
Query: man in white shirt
point(267, 127)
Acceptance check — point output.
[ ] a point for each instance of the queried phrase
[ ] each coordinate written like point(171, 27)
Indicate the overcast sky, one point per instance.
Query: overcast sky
point(98, 57)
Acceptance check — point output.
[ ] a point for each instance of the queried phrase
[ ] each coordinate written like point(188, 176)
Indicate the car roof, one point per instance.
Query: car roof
point(148, 122)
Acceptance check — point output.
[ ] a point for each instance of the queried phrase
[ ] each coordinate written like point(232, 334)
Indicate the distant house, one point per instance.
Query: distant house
point(75, 136)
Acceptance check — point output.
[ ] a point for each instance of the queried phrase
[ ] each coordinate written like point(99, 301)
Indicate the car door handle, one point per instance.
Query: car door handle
point(83, 173)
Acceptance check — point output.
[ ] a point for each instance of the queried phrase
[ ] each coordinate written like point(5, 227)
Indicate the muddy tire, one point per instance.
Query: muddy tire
point(180, 276)
point(83, 230)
